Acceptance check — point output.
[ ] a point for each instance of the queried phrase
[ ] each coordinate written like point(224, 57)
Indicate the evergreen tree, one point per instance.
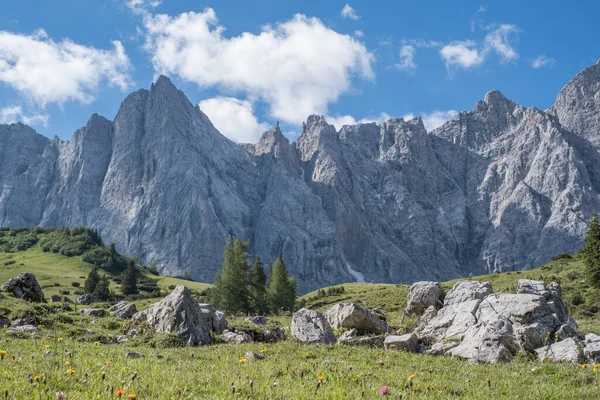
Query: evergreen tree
point(591, 253)
point(129, 279)
point(91, 281)
point(257, 288)
point(101, 291)
point(281, 292)
point(231, 287)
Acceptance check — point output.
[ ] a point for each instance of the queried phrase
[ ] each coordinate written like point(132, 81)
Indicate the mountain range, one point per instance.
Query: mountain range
point(498, 188)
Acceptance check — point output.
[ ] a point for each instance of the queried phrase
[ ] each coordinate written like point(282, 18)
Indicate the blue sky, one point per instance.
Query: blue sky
point(249, 64)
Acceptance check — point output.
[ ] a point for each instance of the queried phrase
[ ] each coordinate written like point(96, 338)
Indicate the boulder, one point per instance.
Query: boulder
point(568, 350)
point(271, 336)
point(467, 290)
point(450, 322)
point(310, 326)
point(488, 342)
point(426, 318)
point(178, 313)
point(24, 286)
point(235, 337)
point(56, 298)
point(440, 348)
point(257, 320)
point(96, 312)
point(121, 339)
point(351, 338)
point(353, 316)
point(86, 299)
point(215, 319)
point(422, 295)
point(123, 310)
point(591, 348)
point(551, 293)
point(250, 355)
point(22, 329)
point(406, 342)
point(26, 320)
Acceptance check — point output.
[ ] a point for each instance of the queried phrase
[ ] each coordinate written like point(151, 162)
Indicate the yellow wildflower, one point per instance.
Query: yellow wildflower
point(47, 346)
point(596, 367)
point(96, 343)
point(132, 396)
point(106, 363)
point(243, 360)
point(263, 351)
point(585, 365)
point(60, 339)
point(71, 371)
point(67, 363)
point(36, 378)
point(411, 377)
point(119, 392)
point(415, 389)
point(2, 354)
point(392, 345)
point(320, 378)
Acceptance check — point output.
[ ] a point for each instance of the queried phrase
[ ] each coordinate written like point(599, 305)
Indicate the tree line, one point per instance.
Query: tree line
point(241, 288)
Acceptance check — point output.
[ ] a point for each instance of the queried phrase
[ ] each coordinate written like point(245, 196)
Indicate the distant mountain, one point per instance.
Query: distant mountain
point(497, 188)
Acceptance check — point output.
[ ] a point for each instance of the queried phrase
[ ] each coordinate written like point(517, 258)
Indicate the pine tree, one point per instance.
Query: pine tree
point(91, 281)
point(281, 292)
point(129, 279)
point(101, 291)
point(257, 288)
point(231, 287)
point(591, 252)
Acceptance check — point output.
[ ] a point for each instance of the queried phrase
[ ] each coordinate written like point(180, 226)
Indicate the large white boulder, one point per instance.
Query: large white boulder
point(353, 316)
point(310, 326)
point(422, 295)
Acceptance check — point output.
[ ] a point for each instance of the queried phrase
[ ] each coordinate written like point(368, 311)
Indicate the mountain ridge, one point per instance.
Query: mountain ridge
point(497, 188)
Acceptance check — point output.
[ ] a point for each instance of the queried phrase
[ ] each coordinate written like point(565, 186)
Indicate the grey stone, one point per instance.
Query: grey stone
point(123, 310)
point(215, 319)
point(406, 342)
point(271, 335)
point(442, 347)
point(450, 322)
point(310, 326)
point(488, 342)
point(467, 290)
point(422, 295)
point(96, 312)
point(86, 299)
point(132, 356)
point(235, 337)
point(22, 329)
point(250, 355)
point(568, 350)
point(591, 348)
point(26, 320)
point(121, 339)
point(178, 313)
point(4, 322)
point(257, 320)
point(350, 315)
point(351, 338)
point(24, 286)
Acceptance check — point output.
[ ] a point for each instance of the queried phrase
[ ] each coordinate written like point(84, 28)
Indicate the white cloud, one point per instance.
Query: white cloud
point(297, 67)
point(46, 71)
point(358, 33)
point(407, 58)
point(431, 120)
point(542, 61)
point(234, 118)
point(14, 114)
point(461, 54)
point(142, 7)
point(500, 41)
point(476, 21)
point(426, 43)
point(467, 54)
point(349, 12)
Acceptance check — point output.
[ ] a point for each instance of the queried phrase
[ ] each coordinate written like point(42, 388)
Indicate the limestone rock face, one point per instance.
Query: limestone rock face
point(353, 316)
point(123, 309)
point(467, 290)
point(567, 350)
point(310, 326)
point(178, 313)
point(24, 286)
point(498, 188)
point(423, 295)
point(491, 342)
point(215, 319)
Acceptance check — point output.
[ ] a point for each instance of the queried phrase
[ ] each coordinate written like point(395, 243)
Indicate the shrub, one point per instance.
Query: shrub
point(577, 299)
point(75, 284)
point(562, 256)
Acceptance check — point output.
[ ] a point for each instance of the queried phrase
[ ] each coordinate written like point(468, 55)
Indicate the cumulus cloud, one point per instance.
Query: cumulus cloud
point(142, 7)
point(359, 33)
point(431, 120)
point(14, 114)
point(350, 13)
point(407, 58)
point(45, 71)
point(476, 20)
point(461, 54)
point(297, 67)
point(468, 54)
point(234, 118)
point(542, 61)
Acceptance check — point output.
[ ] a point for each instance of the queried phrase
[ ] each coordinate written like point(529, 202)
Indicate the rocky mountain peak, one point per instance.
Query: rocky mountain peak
point(494, 97)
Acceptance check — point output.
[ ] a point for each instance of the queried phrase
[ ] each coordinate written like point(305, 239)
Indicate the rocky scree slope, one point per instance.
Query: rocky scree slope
point(498, 188)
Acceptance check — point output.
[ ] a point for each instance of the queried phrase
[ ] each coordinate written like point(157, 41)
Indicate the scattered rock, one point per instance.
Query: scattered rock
point(257, 320)
point(86, 299)
point(25, 286)
point(250, 355)
point(442, 347)
point(235, 337)
point(121, 339)
point(27, 320)
point(592, 347)
point(4, 322)
point(353, 316)
point(123, 310)
point(406, 342)
point(422, 295)
point(22, 329)
point(178, 313)
point(271, 336)
point(467, 290)
point(351, 338)
point(132, 355)
point(566, 331)
point(567, 350)
point(215, 319)
point(96, 312)
point(488, 342)
point(310, 326)
point(158, 356)
point(56, 298)
point(450, 322)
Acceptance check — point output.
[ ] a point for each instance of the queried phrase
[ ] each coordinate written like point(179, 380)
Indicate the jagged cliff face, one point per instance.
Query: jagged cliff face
point(498, 188)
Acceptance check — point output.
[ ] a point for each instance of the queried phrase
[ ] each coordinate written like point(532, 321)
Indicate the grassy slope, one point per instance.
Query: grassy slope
point(51, 268)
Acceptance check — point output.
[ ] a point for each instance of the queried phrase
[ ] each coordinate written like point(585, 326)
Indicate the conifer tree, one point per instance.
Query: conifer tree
point(231, 288)
point(101, 291)
point(281, 292)
point(591, 252)
point(91, 281)
point(257, 287)
point(129, 279)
